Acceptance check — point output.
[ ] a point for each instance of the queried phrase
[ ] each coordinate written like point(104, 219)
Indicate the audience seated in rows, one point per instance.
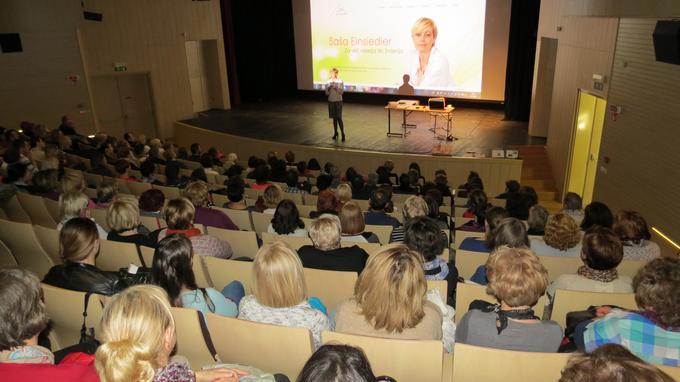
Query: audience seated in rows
point(179, 215)
point(198, 194)
point(280, 293)
point(517, 279)
point(79, 247)
point(562, 237)
point(286, 220)
point(493, 217)
point(326, 252)
point(172, 271)
point(380, 202)
point(354, 226)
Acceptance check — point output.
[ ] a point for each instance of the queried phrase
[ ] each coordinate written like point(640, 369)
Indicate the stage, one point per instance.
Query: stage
point(306, 122)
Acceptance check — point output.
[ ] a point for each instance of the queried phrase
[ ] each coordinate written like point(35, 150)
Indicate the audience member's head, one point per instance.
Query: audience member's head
point(510, 232)
point(656, 288)
point(46, 181)
point(379, 200)
point(313, 164)
point(494, 216)
point(19, 173)
point(351, 219)
point(272, 196)
point(123, 214)
point(279, 281)
point(538, 217)
point(423, 235)
point(151, 200)
point(72, 204)
point(337, 363)
point(434, 199)
point(597, 213)
point(292, 178)
point(414, 206)
point(610, 362)
point(323, 182)
point(261, 174)
point(326, 232)
point(512, 186)
point(351, 173)
point(172, 172)
point(474, 182)
point(572, 202)
point(195, 149)
point(516, 276)
point(179, 214)
point(286, 218)
point(147, 168)
point(23, 314)
point(562, 232)
point(71, 181)
point(327, 202)
point(197, 193)
point(79, 241)
point(601, 249)
point(629, 226)
point(172, 267)
point(478, 204)
point(344, 193)
point(122, 166)
point(391, 289)
point(106, 191)
point(198, 175)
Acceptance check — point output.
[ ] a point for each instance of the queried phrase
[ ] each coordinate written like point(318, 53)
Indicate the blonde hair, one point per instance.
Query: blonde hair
point(106, 191)
point(423, 24)
point(123, 214)
point(71, 203)
point(562, 232)
point(278, 278)
point(325, 232)
point(133, 334)
point(391, 289)
point(179, 214)
point(414, 206)
point(197, 193)
point(272, 195)
point(72, 181)
point(352, 219)
point(344, 193)
point(516, 276)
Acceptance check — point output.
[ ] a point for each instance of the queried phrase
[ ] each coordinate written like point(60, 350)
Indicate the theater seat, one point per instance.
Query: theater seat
point(114, 255)
point(403, 360)
point(566, 301)
point(222, 272)
point(332, 287)
point(240, 217)
point(243, 243)
point(35, 208)
point(294, 242)
point(6, 257)
point(190, 341)
point(65, 309)
point(29, 254)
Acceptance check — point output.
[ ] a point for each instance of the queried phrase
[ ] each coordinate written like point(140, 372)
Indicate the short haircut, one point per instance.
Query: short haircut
point(510, 232)
point(512, 186)
point(286, 218)
point(235, 189)
point(279, 281)
point(344, 192)
point(106, 191)
point(77, 238)
point(292, 178)
point(379, 199)
point(199, 174)
point(272, 195)
point(337, 363)
point(391, 289)
point(327, 201)
point(151, 200)
point(147, 168)
point(197, 193)
point(494, 216)
point(601, 249)
point(415, 206)
point(611, 362)
point(123, 214)
point(194, 148)
point(656, 288)
point(71, 181)
point(597, 213)
point(207, 161)
point(516, 276)
point(572, 201)
point(261, 174)
point(72, 203)
point(179, 214)
point(562, 232)
point(326, 232)
point(121, 166)
point(538, 216)
point(46, 180)
point(290, 156)
point(478, 203)
point(323, 182)
point(23, 313)
point(172, 170)
point(423, 235)
point(423, 24)
point(352, 219)
point(631, 226)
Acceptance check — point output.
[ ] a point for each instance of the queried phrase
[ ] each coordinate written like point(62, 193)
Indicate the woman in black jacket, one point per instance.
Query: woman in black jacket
point(79, 246)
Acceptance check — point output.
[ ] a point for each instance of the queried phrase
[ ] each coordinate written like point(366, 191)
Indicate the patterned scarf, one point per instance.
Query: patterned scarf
point(606, 276)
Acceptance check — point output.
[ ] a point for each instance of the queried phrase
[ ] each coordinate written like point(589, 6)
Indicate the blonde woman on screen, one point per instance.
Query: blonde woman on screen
point(427, 67)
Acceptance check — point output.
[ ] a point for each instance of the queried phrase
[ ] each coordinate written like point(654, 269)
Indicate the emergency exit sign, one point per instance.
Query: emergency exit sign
point(120, 67)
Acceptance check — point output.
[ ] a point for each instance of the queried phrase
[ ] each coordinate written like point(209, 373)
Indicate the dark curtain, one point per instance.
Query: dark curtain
point(230, 51)
point(521, 54)
point(262, 62)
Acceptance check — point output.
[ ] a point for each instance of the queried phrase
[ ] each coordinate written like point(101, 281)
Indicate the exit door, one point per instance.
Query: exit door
point(585, 148)
point(123, 103)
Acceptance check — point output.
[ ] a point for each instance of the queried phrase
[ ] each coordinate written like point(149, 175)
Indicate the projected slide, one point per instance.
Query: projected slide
point(428, 47)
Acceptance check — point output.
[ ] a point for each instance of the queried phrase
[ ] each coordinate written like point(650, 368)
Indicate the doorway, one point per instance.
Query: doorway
point(585, 145)
point(123, 103)
point(204, 74)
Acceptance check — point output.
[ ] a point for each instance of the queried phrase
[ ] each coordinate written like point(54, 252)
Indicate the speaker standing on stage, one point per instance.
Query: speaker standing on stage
point(334, 88)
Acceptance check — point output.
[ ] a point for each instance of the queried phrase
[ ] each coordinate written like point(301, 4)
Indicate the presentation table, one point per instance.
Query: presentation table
point(408, 108)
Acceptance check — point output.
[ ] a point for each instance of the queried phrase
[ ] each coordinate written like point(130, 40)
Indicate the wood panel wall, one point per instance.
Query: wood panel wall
point(642, 144)
point(33, 83)
point(585, 47)
point(149, 36)
point(494, 172)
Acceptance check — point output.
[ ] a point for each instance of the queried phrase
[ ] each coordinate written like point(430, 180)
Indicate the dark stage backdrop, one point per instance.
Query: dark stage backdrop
point(521, 55)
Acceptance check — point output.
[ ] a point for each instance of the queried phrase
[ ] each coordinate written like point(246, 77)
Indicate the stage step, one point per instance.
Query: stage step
point(537, 173)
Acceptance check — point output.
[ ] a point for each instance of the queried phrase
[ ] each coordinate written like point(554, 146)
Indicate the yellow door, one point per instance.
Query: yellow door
point(590, 114)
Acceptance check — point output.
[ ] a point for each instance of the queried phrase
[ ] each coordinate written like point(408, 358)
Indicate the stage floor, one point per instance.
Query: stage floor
point(306, 122)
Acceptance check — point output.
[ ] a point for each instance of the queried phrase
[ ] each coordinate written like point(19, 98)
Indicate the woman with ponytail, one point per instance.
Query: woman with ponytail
point(138, 335)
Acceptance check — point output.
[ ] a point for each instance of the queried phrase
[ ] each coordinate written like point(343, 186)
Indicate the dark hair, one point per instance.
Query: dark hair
point(172, 171)
point(494, 216)
point(323, 181)
point(478, 204)
point(423, 235)
point(379, 199)
point(46, 180)
point(151, 200)
point(147, 168)
point(572, 201)
point(290, 156)
point(207, 160)
point(327, 167)
point(510, 232)
point(327, 201)
point(383, 175)
point(194, 148)
point(182, 153)
point(252, 161)
point(434, 200)
point(337, 363)
point(138, 149)
point(301, 167)
point(529, 196)
point(172, 268)
point(630, 226)
point(235, 189)
point(597, 213)
point(292, 178)
point(98, 159)
point(404, 182)
point(199, 174)
point(350, 174)
point(121, 166)
point(601, 249)
point(512, 186)
point(414, 166)
point(474, 182)
point(261, 174)
point(313, 164)
point(16, 171)
point(357, 183)
point(286, 218)
point(234, 170)
point(23, 311)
